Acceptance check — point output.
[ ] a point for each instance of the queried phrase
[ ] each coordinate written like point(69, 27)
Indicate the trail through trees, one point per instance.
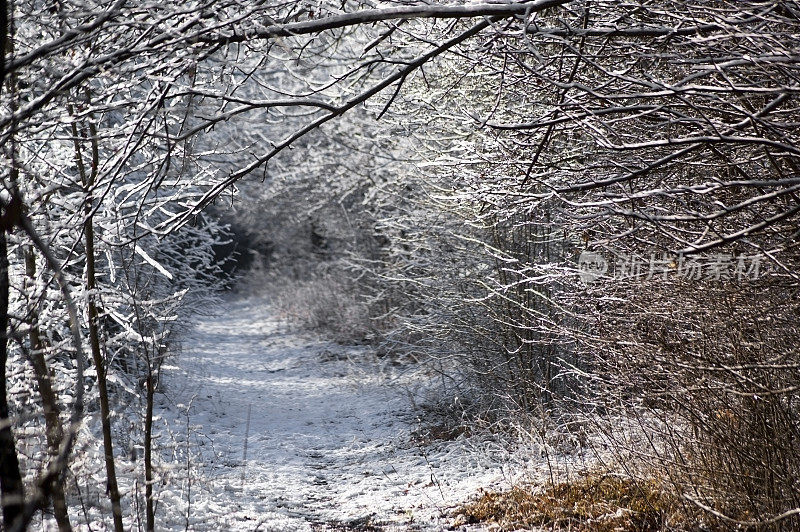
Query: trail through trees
point(333, 436)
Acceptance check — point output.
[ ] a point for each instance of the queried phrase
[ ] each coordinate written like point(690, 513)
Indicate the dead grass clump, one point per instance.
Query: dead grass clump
point(593, 503)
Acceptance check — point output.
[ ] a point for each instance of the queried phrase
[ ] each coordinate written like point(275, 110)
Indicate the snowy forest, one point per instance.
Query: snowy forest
point(400, 265)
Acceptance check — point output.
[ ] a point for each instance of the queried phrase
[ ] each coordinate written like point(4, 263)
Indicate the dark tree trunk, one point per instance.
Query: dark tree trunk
point(99, 363)
point(88, 179)
point(52, 419)
point(148, 444)
point(11, 487)
point(10, 478)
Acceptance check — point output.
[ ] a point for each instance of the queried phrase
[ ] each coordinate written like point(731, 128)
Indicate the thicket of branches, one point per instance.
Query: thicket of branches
point(660, 137)
point(431, 177)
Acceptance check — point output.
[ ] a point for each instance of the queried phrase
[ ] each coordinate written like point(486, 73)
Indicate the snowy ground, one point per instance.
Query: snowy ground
point(331, 441)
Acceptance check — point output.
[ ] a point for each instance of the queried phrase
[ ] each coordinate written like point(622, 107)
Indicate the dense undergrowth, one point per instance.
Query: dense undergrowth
point(440, 240)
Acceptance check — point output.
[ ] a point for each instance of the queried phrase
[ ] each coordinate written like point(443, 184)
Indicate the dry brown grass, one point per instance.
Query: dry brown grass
point(601, 503)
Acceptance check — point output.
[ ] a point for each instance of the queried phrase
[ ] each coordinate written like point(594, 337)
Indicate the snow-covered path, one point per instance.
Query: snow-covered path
point(330, 443)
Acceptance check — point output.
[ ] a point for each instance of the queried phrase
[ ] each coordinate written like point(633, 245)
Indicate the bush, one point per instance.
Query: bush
point(712, 385)
point(324, 301)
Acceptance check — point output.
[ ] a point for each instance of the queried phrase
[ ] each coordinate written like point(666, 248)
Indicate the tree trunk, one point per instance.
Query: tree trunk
point(148, 442)
point(88, 179)
point(11, 486)
point(10, 478)
point(99, 363)
point(94, 340)
point(52, 419)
